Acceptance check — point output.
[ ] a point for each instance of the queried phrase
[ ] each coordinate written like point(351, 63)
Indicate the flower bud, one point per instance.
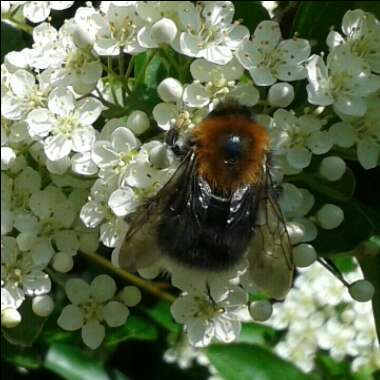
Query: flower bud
point(281, 95)
point(164, 31)
point(63, 262)
point(332, 168)
point(304, 255)
point(330, 216)
point(261, 310)
point(138, 122)
point(42, 305)
point(10, 318)
point(170, 90)
point(361, 290)
point(130, 295)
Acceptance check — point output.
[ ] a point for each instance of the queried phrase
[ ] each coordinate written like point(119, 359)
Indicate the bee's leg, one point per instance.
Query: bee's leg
point(333, 269)
point(179, 147)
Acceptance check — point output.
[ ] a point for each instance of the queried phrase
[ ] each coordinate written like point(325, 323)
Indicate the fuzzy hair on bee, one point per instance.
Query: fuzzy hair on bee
point(219, 206)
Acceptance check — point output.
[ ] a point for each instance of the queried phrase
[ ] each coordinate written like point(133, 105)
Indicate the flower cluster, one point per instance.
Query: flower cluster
point(82, 148)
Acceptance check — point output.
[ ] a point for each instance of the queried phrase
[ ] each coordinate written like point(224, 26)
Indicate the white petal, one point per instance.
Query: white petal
point(27, 223)
point(103, 154)
point(77, 291)
point(368, 153)
point(220, 55)
point(81, 163)
point(40, 121)
point(123, 202)
point(112, 231)
point(262, 76)
point(37, 283)
point(60, 5)
point(342, 134)
point(115, 313)
point(267, 35)
point(88, 110)
point(165, 114)
point(200, 332)
point(57, 147)
point(92, 214)
point(195, 95)
point(83, 139)
point(351, 106)
point(67, 241)
point(189, 45)
point(93, 333)
point(103, 288)
point(299, 158)
point(320, 142)
point(183, 309)
point(334, 39)
point(245, 94)
point(36, 11)
point(130, 295)
point(71, 318)
point(21, 83)
point(227, 330)
point(59, 166)
point(123, 140)
point(61, 101)
point(42, 252)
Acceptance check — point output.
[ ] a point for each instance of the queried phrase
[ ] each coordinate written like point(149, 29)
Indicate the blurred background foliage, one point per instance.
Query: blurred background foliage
point(135, 351)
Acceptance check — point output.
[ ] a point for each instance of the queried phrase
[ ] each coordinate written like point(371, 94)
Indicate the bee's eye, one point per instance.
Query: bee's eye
point(233, 149)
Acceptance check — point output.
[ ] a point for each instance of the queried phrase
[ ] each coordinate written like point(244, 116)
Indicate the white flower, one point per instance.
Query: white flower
point(37, 11)
point(342, 83)
point(91, 306)
point(20, 275)
point(363, 131)
point(117, 30)
point(362, 31)
point(66, 126)
point(21, 95)
point(206, 318)
point(268, 58)
point(299, 138)
point(209, 32)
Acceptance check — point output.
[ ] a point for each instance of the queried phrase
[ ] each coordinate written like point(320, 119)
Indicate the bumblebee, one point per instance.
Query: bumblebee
point(219, 206)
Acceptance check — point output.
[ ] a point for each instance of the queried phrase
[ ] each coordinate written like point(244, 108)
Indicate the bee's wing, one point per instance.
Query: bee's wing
point(270, 254)
point(140, 248)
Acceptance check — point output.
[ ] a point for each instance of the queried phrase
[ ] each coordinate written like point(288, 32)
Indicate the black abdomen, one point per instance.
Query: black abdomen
point(205, 237)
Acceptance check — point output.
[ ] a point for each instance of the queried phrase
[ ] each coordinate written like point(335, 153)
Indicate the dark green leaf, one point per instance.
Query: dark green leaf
point(251, 12)
point(11, 39)
point(355, 228)
point(135, 328)
point(73, 364)
point(314, 19)
point(28, 330)
point(20, 357)
point(254, 333)
point(248, 362)
point(160, 313)
point(341, 190)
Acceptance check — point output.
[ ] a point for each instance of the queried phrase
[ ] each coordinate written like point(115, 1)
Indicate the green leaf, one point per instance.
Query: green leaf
point(254, 333)
point(355, 228)
point(248, 362)
point(251, 12)
point(341, 190)
point(28, 330)
point(73, 364)
point(160, 313)
point(25, 357)
point(136, 328)
point(314, 19)
point(11, 39)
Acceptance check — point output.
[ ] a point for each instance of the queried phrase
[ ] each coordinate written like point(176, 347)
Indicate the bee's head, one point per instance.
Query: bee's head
point(234, 148)
point(230, 147)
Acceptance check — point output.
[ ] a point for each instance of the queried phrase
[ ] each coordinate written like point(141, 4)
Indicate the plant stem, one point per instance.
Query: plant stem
point(17, 24)
point(131, 64)
point(171, 60)
point(133, 279)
